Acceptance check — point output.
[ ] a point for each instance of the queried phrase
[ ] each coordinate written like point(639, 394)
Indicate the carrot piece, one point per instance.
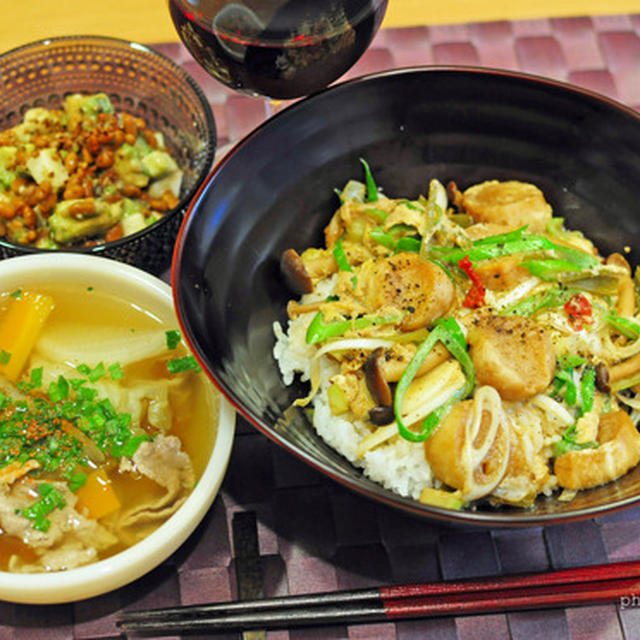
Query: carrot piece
point(20, 326)
point(97, 495)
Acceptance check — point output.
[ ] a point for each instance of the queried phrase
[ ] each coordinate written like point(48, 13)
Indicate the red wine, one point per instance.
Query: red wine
point(277, 48)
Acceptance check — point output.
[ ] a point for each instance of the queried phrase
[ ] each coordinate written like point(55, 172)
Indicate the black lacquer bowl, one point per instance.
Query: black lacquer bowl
point(138, 80)
point(275, 191)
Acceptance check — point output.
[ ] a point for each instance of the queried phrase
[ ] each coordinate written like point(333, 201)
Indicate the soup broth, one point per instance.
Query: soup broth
point(124, 426)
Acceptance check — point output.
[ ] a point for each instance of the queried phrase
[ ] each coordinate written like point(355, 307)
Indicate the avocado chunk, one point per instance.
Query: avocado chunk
point(158, 163)
point(67, 226)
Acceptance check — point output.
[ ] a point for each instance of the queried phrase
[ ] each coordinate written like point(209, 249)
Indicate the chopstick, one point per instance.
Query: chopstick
point(595, 584)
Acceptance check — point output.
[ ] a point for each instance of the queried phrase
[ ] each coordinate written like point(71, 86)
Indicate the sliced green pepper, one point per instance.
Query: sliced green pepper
point(568, 443)
point(408, 244)
point(587, 389)
point(485, 251)
point(570, 360)
point(319, 331)
point(549, 268)
point(627, 327)
point(565, 379)
point(378, 214)
point(502, 238)
point(384, 238)
point(447, 331)
point(390, 237)
point(554, 297)
point(343, 263)
point(341, 257)
point(372, 189)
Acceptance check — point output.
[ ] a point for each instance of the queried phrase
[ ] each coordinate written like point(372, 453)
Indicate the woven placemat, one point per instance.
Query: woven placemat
point(313, 535)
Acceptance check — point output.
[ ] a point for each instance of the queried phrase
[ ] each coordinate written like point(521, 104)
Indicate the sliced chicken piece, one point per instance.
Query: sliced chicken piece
point(511, 203)
point(503, 273)
point(512, 354)
point(417, 287)
point(481, 230)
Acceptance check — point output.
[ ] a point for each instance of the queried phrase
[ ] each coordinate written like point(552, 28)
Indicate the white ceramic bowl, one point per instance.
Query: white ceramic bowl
point(155, 296)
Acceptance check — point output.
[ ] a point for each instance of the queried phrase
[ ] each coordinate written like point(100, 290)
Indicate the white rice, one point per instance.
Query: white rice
point(398, 465)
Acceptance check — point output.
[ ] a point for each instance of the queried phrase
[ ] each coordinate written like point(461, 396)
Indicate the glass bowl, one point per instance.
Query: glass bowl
point(137, 80)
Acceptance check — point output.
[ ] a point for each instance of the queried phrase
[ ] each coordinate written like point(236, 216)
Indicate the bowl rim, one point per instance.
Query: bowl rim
point(126, 566)
point(467, 518)
point(212, 142)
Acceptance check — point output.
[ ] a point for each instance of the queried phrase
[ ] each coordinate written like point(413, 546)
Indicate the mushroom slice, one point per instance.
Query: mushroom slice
point(374, 376)
point(295, 272)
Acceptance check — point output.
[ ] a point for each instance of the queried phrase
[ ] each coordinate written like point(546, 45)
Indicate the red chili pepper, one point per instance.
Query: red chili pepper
point(578, 309)
point(475, 295)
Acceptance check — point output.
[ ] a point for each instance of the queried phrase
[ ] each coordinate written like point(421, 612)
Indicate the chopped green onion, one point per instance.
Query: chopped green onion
point(130, 446)
point(51, 499)
point(84, 369)
point(58, 389)
point(77, 480)
point(36, 376)
point(180, 365)
point(5, 357)
point(115, 371)
point(97, 372)
point(173, 338)
point(16, 294)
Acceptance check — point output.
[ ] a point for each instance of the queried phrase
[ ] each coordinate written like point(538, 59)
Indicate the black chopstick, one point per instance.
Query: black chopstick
point(594, 584)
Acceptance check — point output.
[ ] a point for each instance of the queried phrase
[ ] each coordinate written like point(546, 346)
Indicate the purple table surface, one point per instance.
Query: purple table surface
point(313, 535)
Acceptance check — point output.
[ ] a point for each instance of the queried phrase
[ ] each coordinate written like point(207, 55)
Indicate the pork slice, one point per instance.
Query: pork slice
point(71, 540)
point(163, 461)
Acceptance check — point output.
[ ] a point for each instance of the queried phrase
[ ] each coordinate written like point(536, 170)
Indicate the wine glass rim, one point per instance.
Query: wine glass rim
point(244, 24)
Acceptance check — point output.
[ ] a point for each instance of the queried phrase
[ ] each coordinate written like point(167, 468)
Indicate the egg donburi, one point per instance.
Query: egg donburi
point(465, 345)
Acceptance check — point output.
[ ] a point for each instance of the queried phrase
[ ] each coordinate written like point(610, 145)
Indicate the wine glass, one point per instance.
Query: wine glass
point(279, 49)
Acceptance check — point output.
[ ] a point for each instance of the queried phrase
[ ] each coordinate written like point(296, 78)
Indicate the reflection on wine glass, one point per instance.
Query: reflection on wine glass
point(280, 49)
